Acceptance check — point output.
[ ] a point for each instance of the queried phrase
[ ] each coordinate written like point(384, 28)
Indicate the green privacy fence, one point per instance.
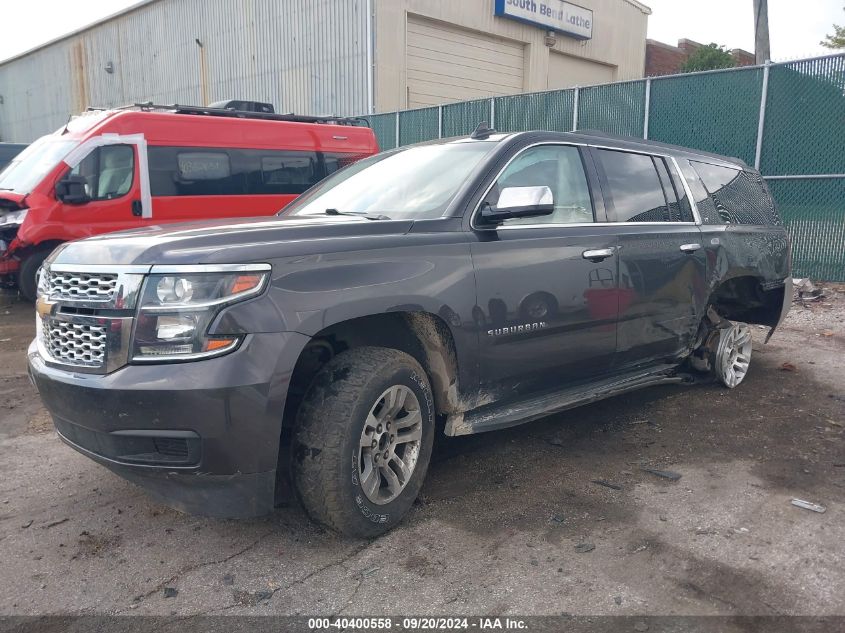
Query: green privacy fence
point(786, 119)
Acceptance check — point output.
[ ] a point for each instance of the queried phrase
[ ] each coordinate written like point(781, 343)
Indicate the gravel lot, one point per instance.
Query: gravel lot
point(500, 518)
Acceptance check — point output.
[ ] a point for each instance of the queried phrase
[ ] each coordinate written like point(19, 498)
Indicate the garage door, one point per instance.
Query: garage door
point(450, 64)
point(566, 71)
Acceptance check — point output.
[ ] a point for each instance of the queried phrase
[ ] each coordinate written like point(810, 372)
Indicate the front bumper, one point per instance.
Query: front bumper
point(202, 437)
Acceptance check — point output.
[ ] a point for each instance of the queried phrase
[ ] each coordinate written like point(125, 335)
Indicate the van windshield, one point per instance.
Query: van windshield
point(410, 184)
point(31, 166)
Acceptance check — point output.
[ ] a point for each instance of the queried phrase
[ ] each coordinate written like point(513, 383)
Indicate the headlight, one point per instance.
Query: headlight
point(177, 308)
point(41, 282)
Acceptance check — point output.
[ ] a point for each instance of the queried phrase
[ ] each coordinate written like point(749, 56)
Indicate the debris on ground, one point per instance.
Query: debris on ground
point(557, 518)
point(55, 523)
point(27, 524)
point(805, 292)
point(808, 505)
point(665, 474)
point(369, 572)
point(788, 367)
point(228, 580)
point(170, 592)
point(583, 548)
point(606, 484)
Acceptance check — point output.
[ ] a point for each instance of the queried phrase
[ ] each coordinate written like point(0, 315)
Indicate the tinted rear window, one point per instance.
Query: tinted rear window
point(740, 197)
point(634, 188)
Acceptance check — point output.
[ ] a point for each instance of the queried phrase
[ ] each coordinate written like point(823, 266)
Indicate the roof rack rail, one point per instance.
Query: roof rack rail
point(176, 108)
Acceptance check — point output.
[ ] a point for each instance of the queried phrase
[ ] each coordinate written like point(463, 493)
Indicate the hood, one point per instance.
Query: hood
point(227, 241)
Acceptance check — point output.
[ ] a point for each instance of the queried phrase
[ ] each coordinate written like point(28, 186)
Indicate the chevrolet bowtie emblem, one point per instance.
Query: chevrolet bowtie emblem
point(44, 307)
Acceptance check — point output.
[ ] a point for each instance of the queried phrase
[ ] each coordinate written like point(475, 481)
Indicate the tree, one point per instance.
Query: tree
point(708, 57)
point(837, 39)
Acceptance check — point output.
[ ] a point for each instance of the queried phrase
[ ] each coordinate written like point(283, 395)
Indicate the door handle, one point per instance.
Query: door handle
point(598, 254)
point(690, 248)
point(137, 209)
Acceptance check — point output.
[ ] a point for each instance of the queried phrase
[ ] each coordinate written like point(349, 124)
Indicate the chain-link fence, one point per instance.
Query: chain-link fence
point(786, 119)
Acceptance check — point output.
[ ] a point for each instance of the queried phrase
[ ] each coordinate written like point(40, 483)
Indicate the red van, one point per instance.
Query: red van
point(111, 170)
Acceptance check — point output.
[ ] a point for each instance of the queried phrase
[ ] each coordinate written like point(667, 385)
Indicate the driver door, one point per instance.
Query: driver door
point(113, 189)
point(547, 309)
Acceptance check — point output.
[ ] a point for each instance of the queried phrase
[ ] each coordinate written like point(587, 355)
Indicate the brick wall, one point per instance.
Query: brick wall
point(665, 59)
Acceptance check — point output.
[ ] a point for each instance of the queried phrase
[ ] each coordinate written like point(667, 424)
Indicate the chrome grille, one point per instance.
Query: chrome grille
point(81, 286)
point(75, 344)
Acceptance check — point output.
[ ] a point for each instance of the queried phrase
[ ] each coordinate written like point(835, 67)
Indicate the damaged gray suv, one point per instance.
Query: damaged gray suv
point(473, 283)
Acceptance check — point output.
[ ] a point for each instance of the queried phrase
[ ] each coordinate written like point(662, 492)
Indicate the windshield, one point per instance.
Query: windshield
point(31, 166)
point(410, 184)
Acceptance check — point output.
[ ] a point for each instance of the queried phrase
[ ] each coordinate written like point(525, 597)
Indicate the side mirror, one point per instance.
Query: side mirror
point(519, 202)
point(71, 190)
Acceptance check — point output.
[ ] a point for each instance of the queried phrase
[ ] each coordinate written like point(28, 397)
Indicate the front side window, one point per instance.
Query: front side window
point(633, 187)
point(558, 167)
point(108, 171)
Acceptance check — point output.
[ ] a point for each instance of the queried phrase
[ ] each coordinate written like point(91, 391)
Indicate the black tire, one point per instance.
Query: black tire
point(330, 422)
point(27, 283)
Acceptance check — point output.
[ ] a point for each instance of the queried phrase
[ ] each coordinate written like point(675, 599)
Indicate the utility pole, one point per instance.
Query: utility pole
point(762, 51)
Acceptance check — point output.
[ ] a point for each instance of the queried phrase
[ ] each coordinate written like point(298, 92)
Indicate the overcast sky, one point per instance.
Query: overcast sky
point(796, 26)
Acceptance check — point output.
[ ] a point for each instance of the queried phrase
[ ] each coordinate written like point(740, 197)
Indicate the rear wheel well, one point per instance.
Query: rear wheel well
point(746, 299)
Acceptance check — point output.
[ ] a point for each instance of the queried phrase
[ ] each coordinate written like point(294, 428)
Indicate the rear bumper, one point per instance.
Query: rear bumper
point(202, 437)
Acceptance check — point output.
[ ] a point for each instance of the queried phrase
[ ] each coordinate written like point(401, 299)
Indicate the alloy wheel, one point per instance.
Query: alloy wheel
point(733, 355)
point(390, 444)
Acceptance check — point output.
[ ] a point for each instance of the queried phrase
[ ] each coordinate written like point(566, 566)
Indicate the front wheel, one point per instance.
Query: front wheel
point(27, 282)
point(363, 441)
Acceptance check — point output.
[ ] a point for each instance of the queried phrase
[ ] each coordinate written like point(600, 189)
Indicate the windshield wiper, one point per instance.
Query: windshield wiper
point(369, 216)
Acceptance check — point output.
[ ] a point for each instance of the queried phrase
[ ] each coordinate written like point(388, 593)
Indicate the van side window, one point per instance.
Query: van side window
point(633, 187)
point(558, 167)
point(192, 171)
point(108, 171)
point(740, 197)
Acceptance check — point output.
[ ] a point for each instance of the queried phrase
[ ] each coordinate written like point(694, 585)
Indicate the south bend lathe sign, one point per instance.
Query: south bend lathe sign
point(554, 15)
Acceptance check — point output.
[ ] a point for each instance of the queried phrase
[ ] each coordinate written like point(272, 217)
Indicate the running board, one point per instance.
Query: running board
point(493, 417)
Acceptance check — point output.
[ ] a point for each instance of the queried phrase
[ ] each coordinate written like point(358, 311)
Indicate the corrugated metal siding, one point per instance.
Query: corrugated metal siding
point(305, 57)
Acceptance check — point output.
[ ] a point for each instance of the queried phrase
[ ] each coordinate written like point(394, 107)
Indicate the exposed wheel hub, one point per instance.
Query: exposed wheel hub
point(390, 444)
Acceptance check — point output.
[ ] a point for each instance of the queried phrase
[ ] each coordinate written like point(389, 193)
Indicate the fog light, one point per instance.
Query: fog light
point(174, 290)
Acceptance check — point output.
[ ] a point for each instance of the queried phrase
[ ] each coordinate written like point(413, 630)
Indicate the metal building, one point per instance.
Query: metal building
point(339, 57)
